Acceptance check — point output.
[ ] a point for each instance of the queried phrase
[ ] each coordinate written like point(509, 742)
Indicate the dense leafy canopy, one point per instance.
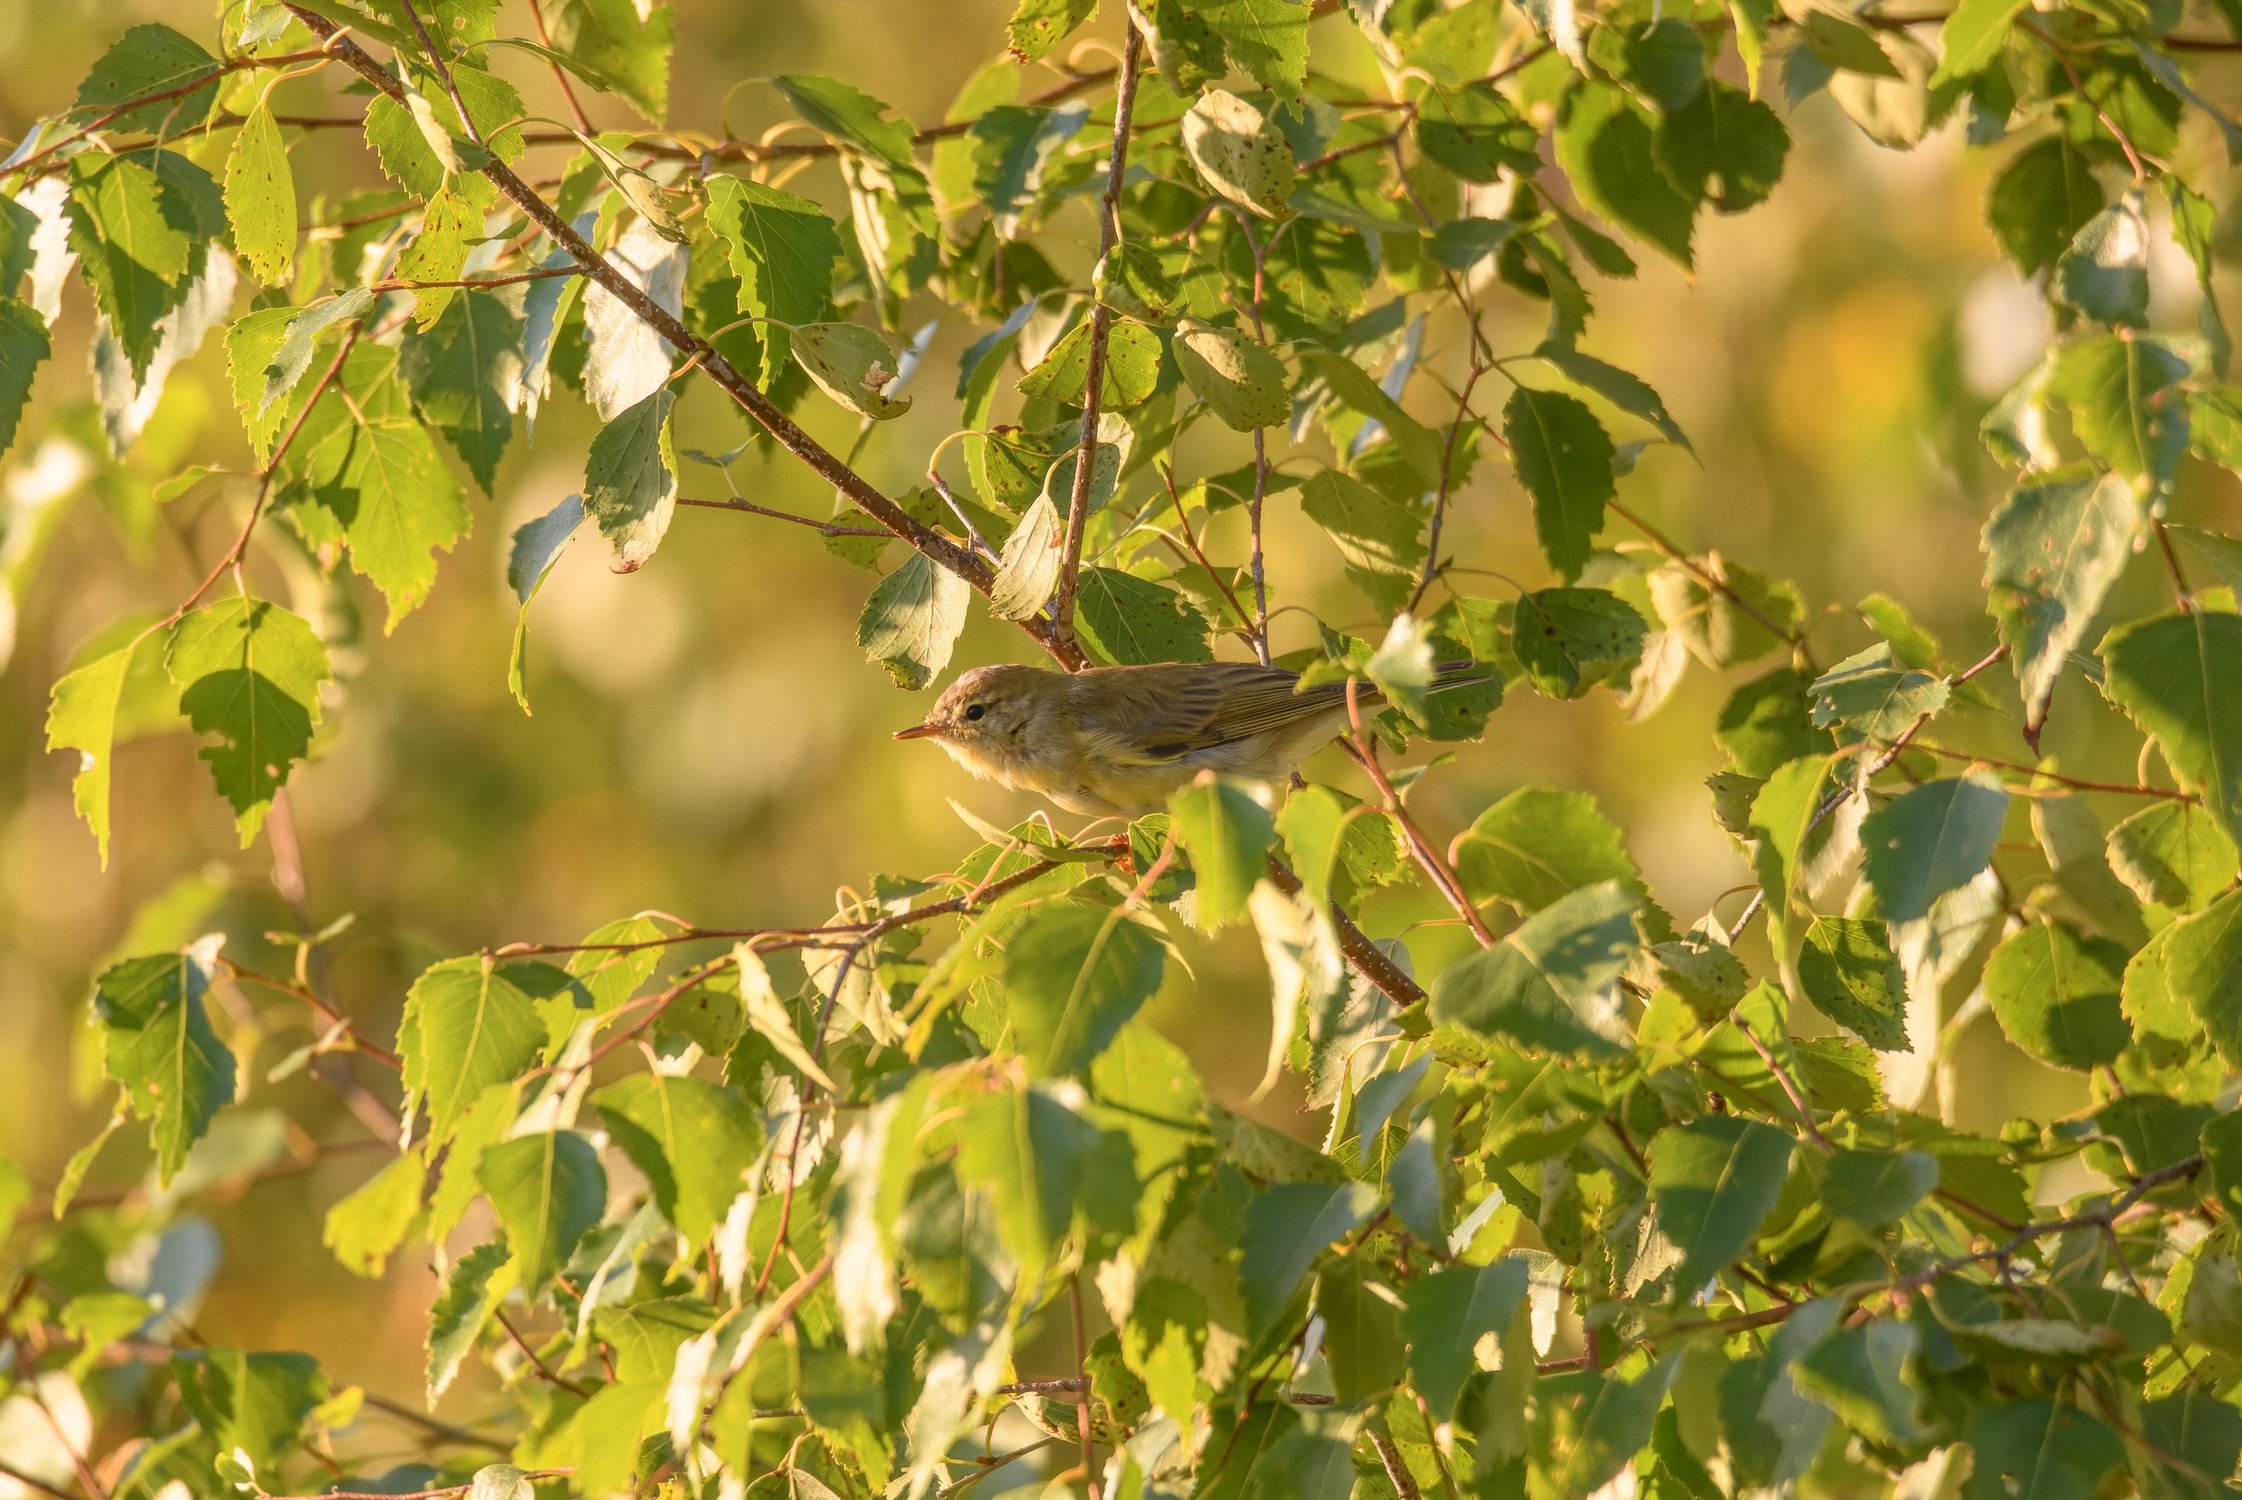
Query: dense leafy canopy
point(1618, 1190)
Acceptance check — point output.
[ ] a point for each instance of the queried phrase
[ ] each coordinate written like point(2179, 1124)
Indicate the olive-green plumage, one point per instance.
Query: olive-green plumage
point(1120, 739)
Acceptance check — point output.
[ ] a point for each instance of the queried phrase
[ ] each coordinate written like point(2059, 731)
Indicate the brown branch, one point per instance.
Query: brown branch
point(1707, 577)
point(442, 1494)
point(1397, 1472)
point(1443, 877)
point(822, 528)
point(1362, 955)
point(158, 96)
point(2181, 593)
point(1101, 328)
point(941, 549)
point(545, 1372)
point(560, 74)
point(989, 1465)
point(2072, 783)
point(1081, 1336)
point(405, 284)
point(326, 1011)
point(20, 1477)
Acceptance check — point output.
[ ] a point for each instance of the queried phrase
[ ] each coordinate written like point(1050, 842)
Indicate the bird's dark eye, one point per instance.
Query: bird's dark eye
point(973, 711)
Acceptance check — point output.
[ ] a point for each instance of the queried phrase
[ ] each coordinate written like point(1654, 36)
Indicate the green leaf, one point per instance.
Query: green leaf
point(151, 60)
point(1607, 147)
point(139, 225)
point(1043, 1166)
point(1475, 132)
point(1723, 147)
point(2041, 199)
point(1132, 367)
point(470, 1023)
point(2041, 1450)
point(256, 1403)
point(1857, 1373)
point(249, 673)
point(847, 114)
point(1713, 1181)
point(912, 620)
point(1765, 723)
point(1445, 1314)
point(1972, 39)
point(1352, 387)
point(620, 46)
point(547, 1189)
point(472, 1288)
point(366, 1226)
point(1783, 830)
point(1538, 845)
point(2052, 551)
point(2055, 991)
point(630, 480)
point(1029, 568)
point(370, 472)
point(1362, 1334)
point(1242, 382)
point(82, 716)
point(1228, 834)
point(1629, 392)
point(696, 1142)
point(1873, 695)
point(1571, 640)
point(1013, 147)
point(2105, 272)
point(438, 253)
point(1608, 1421)
point(157, 1043)
point(1373, 533)
point(1039, 25)
point(270, 358)
point(1543, 984)
point(2198, 1439)
point(1131, 621)
point(2126, 405)
point(465, 373)
point(1287, 1226)
point(2203, 970)
point(783, 249)
point(1874, 1188)
point(2172, 853)
point(1267, 39)
point(24, 343)
point(1563, 457)
point(1848, 970)
point(1076, 974)
point(261, 197)
point(2172, 675)
point(1930, 840)
point(537, 546)
point(853, 365)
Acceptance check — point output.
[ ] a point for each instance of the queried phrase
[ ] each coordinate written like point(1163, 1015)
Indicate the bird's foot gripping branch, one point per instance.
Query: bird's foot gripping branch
point(1242, 350)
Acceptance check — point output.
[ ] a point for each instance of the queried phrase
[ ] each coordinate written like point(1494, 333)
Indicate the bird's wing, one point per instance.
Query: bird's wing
point(1162, 715)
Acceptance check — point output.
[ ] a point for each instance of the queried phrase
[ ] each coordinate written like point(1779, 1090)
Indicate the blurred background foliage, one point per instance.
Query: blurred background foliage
point(707, 741)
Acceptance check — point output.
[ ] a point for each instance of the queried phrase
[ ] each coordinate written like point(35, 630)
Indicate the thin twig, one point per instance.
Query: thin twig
point(560, 74)
point(943, 550)
point(545, 1371)
point(1101, 330)
point(1082, 1345)
point(326, 1011)
point(1444, 879)
point(822, 528)
point(989, 1465)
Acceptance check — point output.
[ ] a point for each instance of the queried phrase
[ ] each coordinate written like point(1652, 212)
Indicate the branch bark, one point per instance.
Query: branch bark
point(941, 549)
point(1101, 332)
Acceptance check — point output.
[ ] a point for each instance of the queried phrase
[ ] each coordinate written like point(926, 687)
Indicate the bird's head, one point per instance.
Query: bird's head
point(984, 719)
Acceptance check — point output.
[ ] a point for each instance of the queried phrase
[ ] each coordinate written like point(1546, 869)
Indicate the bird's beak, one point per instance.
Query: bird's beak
point(919, 732)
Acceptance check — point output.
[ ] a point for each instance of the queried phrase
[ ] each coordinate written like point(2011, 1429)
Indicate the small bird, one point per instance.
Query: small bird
point(1120, 739)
